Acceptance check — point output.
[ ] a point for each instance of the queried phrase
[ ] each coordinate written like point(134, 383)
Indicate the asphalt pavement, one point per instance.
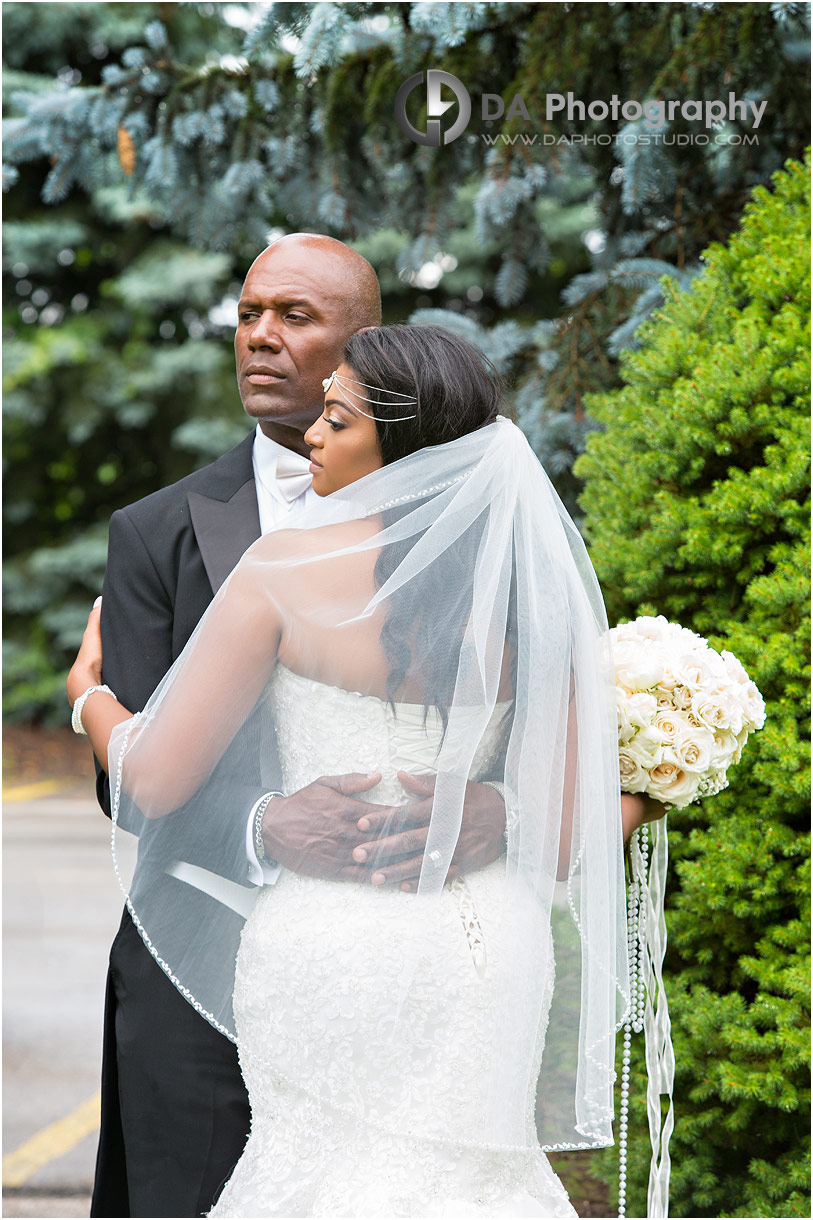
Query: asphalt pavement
point(61, 908)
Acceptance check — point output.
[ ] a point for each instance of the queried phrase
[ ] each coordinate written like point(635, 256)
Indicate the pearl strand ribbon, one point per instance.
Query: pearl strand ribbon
point(646, 933)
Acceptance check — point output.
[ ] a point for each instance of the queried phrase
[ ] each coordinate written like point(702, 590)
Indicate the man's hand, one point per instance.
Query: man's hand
point(314, 831)
point(480, 841)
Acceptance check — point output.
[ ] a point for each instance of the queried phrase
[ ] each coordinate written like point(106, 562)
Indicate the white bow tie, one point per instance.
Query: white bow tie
point(293, 475)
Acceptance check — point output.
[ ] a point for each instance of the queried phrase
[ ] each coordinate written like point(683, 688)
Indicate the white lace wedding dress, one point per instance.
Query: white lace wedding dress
point(315, 959)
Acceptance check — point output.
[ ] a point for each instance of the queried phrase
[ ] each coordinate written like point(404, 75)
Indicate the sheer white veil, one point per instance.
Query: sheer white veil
point(443, 571)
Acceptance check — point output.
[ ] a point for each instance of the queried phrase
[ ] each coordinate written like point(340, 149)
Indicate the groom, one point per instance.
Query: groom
point(175, 1114)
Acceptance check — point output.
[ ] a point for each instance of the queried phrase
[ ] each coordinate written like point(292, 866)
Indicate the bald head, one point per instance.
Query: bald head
point(350, 273)
point(302, 299)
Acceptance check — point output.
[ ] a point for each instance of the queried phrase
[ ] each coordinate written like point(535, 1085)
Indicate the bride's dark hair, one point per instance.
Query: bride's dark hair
point(458, 391)
point(456, 385)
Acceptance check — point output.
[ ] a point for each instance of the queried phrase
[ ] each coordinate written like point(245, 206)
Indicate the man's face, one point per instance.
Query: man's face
point(291, 330)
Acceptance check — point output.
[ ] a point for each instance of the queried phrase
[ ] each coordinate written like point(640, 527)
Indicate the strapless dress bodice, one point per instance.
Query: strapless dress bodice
point(327, 730)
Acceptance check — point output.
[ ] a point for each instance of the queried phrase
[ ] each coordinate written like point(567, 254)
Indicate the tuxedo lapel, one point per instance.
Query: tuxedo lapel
point(224, 529)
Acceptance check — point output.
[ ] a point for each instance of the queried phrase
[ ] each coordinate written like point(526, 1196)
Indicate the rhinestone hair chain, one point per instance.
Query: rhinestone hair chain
point(343, 386)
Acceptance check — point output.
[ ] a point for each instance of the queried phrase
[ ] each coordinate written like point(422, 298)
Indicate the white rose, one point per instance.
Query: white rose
point(669, 782)
point(624, 633)
point(723, 751)
point(657, 628)
point(694, 750)
point(625, 727)
point(690, 641)
point(740, 739)
point(637, 667)
point(647, 746)
point(634, 777)
point(694, 671)
point(717, 710)
point(641, 709)
point(752, 704)
point(734, 667)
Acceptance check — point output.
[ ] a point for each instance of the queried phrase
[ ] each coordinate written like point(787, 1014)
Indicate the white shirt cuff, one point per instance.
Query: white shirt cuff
point(260, 872)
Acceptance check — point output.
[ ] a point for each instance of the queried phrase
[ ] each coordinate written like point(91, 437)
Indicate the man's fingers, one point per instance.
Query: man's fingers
point(355, 781)
point(381, 820)
point(408, 843)
point(403, 870)
point(420, 785)
point(394, 874)
point(411, 887)
point(353, 872)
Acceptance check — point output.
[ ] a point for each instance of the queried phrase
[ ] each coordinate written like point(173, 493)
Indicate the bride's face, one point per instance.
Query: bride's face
point(344, 442)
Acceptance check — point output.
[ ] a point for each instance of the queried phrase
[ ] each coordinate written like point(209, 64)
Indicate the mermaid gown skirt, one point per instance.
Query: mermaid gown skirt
point(346, 1119)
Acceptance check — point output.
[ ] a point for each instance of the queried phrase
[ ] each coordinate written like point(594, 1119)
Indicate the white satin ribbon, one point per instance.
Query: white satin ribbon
point(238, 897)
point(660, 1055)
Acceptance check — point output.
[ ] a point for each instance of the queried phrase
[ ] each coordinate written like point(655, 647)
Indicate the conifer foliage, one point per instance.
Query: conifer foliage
point(298, 130)
point(697, 506)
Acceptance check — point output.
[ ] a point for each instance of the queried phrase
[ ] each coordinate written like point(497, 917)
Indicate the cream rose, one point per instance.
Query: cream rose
point(694, 750)
point(672, 724)
point(669, 782)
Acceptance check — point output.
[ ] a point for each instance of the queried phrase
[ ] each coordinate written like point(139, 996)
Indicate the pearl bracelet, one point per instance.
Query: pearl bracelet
point(76, 714)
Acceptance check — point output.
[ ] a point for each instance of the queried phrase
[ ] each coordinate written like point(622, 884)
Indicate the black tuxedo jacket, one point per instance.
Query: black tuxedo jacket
point(168, 554)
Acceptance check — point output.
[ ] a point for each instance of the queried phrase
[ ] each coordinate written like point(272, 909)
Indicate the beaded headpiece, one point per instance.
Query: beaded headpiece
point(343, 385)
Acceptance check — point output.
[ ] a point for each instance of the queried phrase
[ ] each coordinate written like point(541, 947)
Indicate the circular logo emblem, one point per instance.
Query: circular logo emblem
point(434, 107)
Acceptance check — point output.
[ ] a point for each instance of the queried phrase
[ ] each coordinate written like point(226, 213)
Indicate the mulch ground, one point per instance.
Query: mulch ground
point(590, 1197)
point(32, 755)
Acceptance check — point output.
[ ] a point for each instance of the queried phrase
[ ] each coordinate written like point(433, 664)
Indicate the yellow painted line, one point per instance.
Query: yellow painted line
point(52, 1142)
point(29, 792)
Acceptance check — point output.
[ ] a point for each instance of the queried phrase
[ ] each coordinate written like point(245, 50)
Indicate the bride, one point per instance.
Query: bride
point(436, 617)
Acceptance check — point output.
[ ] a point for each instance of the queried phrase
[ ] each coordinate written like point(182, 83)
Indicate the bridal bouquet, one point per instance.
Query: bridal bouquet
point(684, 711)
point(684, 715)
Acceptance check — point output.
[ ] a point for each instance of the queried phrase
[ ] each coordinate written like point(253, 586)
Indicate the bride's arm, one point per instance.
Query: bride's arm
point(208, 694)
point(101, 711)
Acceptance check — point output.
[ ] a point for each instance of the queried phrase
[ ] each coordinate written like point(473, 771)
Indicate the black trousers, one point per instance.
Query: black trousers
point(175, 1113)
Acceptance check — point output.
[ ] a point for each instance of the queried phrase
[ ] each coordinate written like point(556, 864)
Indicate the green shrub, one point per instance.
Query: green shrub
point(697, 507)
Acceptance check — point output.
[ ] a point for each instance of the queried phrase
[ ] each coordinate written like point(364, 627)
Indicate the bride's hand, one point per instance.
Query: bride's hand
point(87, 668)
point(637, 808)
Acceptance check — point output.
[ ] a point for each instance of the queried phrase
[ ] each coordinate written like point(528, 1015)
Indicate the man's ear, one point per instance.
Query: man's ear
point(362, 329)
